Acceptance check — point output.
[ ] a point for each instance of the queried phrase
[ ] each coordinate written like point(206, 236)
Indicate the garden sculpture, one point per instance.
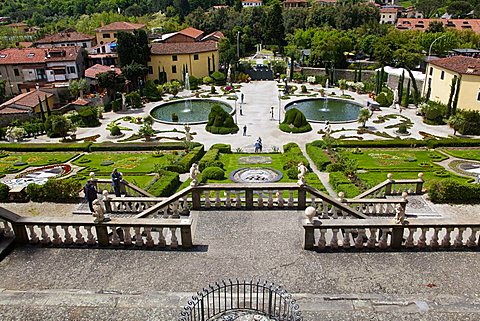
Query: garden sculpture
point(302, 171)
point(194, 175)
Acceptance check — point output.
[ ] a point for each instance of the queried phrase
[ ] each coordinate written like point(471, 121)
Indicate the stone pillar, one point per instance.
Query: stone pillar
point(302, 199)
point(196, 203)
point(186, 234)
point(21, 235)
point(397, 237)
point(102, 234)
point(388, 188)
point(309, 241)
point(418, 190)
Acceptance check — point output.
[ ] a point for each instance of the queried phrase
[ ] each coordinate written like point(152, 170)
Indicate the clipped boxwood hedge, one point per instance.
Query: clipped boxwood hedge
point(430, 143)
point(213, 173)
point(223, 148)
point(140, 146)
point(4, 192)
point(209, 158)
point(341, 183)
point(192, 157)
point(165, 185)
point(451, 191)
point(320, 159)
point(58, 191)
point(46, 147)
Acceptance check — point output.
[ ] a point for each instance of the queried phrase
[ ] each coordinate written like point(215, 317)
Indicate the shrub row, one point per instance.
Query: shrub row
point(4, 192)
point(451, 191)
point(192, 157)
point(209, 159)
point(318, 156)
point(165, 185)
point(59, 191)
point(293, 155)
point(213, 172)
point(84, 147)
point(430, 143)
point(91, 147)
point(223, 148)
point(341, 183)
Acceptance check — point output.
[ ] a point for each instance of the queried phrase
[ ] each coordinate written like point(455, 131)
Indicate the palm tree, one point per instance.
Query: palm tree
point(457, 122)
point(363, 116)
point(342, 84)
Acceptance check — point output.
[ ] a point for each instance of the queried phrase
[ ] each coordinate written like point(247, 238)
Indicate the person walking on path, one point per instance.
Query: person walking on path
point(90, 194)
point(116, 181)
point(245, 130)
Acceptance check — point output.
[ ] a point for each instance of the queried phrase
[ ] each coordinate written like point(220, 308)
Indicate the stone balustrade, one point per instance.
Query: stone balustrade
point(130, 205)
point(126, 188)
point(392, 187)
point(81, 231)
point(373, 233)
point(5, 229)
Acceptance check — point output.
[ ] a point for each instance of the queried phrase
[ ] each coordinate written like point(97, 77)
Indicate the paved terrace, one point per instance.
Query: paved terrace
point(101, 284)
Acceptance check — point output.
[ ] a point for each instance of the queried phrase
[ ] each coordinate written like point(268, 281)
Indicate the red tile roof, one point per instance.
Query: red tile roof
point(459, 64)
point(295, 1)
point(191, 32)
point(93, 71)
point(7, 110)
point(68, 35)
point(81, 102)
point(183, 48)
point(16, 56)
point(389, 10)
point(215, 36)
point(422, 24)
point(29, 99)
point(121, 26)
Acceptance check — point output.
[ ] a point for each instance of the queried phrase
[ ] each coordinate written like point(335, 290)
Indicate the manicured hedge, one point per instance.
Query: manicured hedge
point(139, 146)
point(451, 191)
point(430, 143)
point(55, 190)
point(213, 173)
point(341, 183)
point(293, 155)
point(318, 156)
point(223, 148)
point(209, 159)
point(192, 157)
point(58, 147)
point(4, 192)
point(165, 185)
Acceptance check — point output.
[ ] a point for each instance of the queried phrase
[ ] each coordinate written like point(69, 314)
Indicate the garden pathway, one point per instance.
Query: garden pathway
point(446, 164)
point(324, 177)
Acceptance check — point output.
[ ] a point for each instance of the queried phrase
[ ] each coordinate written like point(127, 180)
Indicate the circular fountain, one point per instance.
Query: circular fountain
point(191, 111)
point(329, 109)
point(255, 175)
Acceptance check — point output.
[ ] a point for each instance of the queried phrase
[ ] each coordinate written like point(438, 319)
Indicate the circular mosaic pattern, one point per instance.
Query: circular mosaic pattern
point(255, 175)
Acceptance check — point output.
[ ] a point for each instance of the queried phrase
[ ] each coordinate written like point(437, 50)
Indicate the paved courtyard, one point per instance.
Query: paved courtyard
point(102, 284)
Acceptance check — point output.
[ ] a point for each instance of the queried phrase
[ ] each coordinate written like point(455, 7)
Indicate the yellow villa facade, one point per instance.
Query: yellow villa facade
point(439, 77)
point(199, 59)
point(108, 33)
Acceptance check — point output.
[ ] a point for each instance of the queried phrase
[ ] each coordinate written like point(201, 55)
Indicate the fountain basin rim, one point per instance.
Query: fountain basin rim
point(329, 98)
point(191, 122)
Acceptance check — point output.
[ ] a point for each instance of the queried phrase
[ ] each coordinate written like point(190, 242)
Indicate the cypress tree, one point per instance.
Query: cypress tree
point(416, 93)
point(457, 92)
point(400, 86)
point(407, 97)
point(355, 75)
point(41, 109)
point(49, 113)
point(360, 73)
point(450, 98)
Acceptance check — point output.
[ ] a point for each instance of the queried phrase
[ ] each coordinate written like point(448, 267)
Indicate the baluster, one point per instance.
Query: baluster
point(422, 240)
point(175, 211)
point(207, 199)
point(186, 208)
point(161, 238)
point(7, 230)
point(446, 238)
point(149, 242)
point(319, 210)
point(324, 209)
point(57, 240)
point(174, 241)
point(115, 238)
point(127, 237)
point(459, 239)
point(280, 199)
point(334, 240)
point(33, 235)
point(434, 240)
point(409, 240)
point(346, 239)
point(43, 235)
point(238, 199)
point(78, 236)
point(68, 238)
point(218, 202)
point(335, 212)
point(165, 211)
point(381, 209)
point(383, 244)
point(290, 198)
point(373, 238)
point(322, 241)
point(472, 240)
point(312, 197)
point(138, 236)
point(260, 200)
point(270, 199)
point(359, 239)
point(228, 202)
point(90, 238)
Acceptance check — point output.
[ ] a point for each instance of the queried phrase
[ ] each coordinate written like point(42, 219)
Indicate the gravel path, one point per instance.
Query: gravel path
point(40, 209)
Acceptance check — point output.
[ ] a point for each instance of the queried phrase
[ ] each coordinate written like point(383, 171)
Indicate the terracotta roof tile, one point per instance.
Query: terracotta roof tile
point(459, 64)
point(422, 24)
point(17, 56)
point(191, 32)
point(183, 48)
point(121, 26)
point(68, 35)
point(93, 71)
point(29, 99)
point(9, 110)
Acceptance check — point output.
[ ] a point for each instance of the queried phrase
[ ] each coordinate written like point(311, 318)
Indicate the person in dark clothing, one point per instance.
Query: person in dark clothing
point(90, 194)
point(116, 180)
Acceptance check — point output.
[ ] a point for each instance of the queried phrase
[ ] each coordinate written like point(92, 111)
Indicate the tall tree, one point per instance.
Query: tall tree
point(274, 30)
point(133, 47)
point(428, 7)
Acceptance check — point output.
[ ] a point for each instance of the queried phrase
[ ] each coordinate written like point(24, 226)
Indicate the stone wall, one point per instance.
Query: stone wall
point(348, 74)
point(392, 82)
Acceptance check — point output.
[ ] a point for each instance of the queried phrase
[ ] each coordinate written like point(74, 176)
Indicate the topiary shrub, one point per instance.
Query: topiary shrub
point(222, 148)
point(207, 80)
point(218, 77)
point(215, 173)
point(60, 191)
point(304, 89)
point(174, 118)
point(433, 113)
point(4, 192)
point(220, 122)
point(295, 122)
point(402, 129)
point(115, 131)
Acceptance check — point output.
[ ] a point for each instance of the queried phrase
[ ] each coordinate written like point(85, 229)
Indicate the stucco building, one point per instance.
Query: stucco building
point(68, 37)
point(108, 33)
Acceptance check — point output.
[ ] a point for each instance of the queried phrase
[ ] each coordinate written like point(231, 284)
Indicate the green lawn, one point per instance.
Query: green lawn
point(395, 160)
point(126, 162)
point(464, 153)
point(16, 162)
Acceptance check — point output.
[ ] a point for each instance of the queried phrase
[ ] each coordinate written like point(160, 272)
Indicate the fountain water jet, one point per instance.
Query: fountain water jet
point(188, 102)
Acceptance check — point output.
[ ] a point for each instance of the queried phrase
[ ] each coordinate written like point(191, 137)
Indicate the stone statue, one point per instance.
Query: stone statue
point(310, 213)
point(302, 171)
point(188, 136)
point(400, 210)
point(98, 211)
point(194, 174)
